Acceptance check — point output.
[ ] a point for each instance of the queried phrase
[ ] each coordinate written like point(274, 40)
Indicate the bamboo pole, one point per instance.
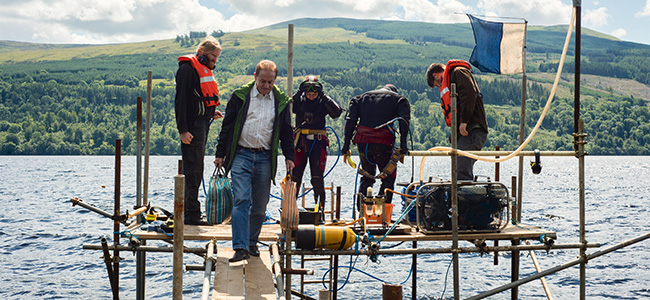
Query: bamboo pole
point(76, 201)
point(109, 265)
point(414, 270)
point(194, 250)
point(141, 258)
point(581, 184)
point(522, 128)
point(147, 142)
point(290, 61)
point(486, 249)
point(208, 271)
point(179, 208)
point(560, 267)
point(116, 213)
point(533, 256)
point(515, 203)
point(287, 263)
point(138, 150)
point(497, 178)
point(454, 191)
point(277, 270)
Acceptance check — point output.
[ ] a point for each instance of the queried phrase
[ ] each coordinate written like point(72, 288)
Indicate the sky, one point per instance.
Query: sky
point(125, 21)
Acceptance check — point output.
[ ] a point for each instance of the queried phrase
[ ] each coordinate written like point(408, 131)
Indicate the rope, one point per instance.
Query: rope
point(539, 121)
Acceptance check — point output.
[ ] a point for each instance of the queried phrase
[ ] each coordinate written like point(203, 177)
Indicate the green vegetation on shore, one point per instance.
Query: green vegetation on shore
point(77, 99)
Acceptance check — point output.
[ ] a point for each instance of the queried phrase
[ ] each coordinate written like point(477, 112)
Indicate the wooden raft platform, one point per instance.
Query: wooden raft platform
point(251, 279)
point(271, 233)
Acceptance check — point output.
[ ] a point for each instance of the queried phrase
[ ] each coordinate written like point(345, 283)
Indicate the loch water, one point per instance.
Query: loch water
point(41, 233)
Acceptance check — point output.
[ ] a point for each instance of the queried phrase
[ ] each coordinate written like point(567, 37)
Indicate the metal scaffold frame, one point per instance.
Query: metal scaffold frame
point(282, 250)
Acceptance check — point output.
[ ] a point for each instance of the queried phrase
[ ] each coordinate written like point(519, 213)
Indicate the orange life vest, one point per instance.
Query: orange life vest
point(209, 89)
point(445, 95)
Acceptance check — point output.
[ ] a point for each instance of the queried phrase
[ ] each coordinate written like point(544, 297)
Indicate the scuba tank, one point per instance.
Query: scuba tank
point(310, 237)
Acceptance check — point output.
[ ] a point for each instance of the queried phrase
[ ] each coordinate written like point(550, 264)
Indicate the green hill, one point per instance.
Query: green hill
point(77, 99)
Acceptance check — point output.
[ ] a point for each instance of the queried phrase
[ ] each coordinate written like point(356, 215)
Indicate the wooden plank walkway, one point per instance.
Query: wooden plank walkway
point(270, 233)
point(251, 279)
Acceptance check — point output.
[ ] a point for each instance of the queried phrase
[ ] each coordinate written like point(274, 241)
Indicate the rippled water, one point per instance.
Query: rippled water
point(41, 234)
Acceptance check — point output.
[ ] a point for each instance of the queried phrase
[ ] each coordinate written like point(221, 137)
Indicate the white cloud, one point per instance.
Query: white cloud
point(645, 12)
point(114, 21)
point(101, 21)
point(536, 12)
point(444, 12)
point(597, 17)
point(619, 33)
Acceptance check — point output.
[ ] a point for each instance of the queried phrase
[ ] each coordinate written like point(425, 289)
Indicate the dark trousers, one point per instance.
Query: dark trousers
point(474, 141)
point(374, 157)
point(316, 154)
point(193, 161)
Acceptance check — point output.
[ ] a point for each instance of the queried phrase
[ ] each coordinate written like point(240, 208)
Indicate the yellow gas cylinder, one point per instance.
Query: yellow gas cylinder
point(309, 237)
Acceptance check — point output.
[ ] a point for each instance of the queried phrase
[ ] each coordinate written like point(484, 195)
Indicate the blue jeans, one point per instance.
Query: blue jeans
point(251, 185)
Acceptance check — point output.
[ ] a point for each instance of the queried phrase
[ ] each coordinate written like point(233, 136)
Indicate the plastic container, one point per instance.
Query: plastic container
point(373, 213)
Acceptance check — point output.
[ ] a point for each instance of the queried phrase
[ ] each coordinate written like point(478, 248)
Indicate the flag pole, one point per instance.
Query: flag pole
point(522, 125)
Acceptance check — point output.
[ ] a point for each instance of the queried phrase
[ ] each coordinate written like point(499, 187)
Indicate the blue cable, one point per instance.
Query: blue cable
point(351, 268)
point(446, 276)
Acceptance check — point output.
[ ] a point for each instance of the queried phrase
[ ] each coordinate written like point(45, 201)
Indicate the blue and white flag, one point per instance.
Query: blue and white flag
point(499, 46)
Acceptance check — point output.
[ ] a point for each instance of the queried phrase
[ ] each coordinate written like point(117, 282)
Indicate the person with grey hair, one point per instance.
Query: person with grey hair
point(197, 97)
point(257, 124)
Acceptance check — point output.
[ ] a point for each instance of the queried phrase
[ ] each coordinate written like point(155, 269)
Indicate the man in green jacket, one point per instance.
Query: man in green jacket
point(256, 124)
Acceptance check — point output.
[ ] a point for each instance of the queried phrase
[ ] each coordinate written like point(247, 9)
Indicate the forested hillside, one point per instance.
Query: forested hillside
point(77, 99)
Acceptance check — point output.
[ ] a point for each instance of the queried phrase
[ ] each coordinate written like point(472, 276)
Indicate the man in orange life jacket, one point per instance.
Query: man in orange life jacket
point(311, 106)
point(197, 97)
point(369, 119)
point(472, 123)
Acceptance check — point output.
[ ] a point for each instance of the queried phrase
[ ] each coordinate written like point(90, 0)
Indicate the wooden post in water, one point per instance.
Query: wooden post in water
point(116, 224)
point(454, 190)
point(179, 219)
point(391, 291)
point(514, 268)
point(514, 293)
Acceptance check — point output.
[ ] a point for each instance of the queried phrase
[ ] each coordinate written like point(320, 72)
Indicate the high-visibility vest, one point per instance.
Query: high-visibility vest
point(209, 89)
point(445, 94)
